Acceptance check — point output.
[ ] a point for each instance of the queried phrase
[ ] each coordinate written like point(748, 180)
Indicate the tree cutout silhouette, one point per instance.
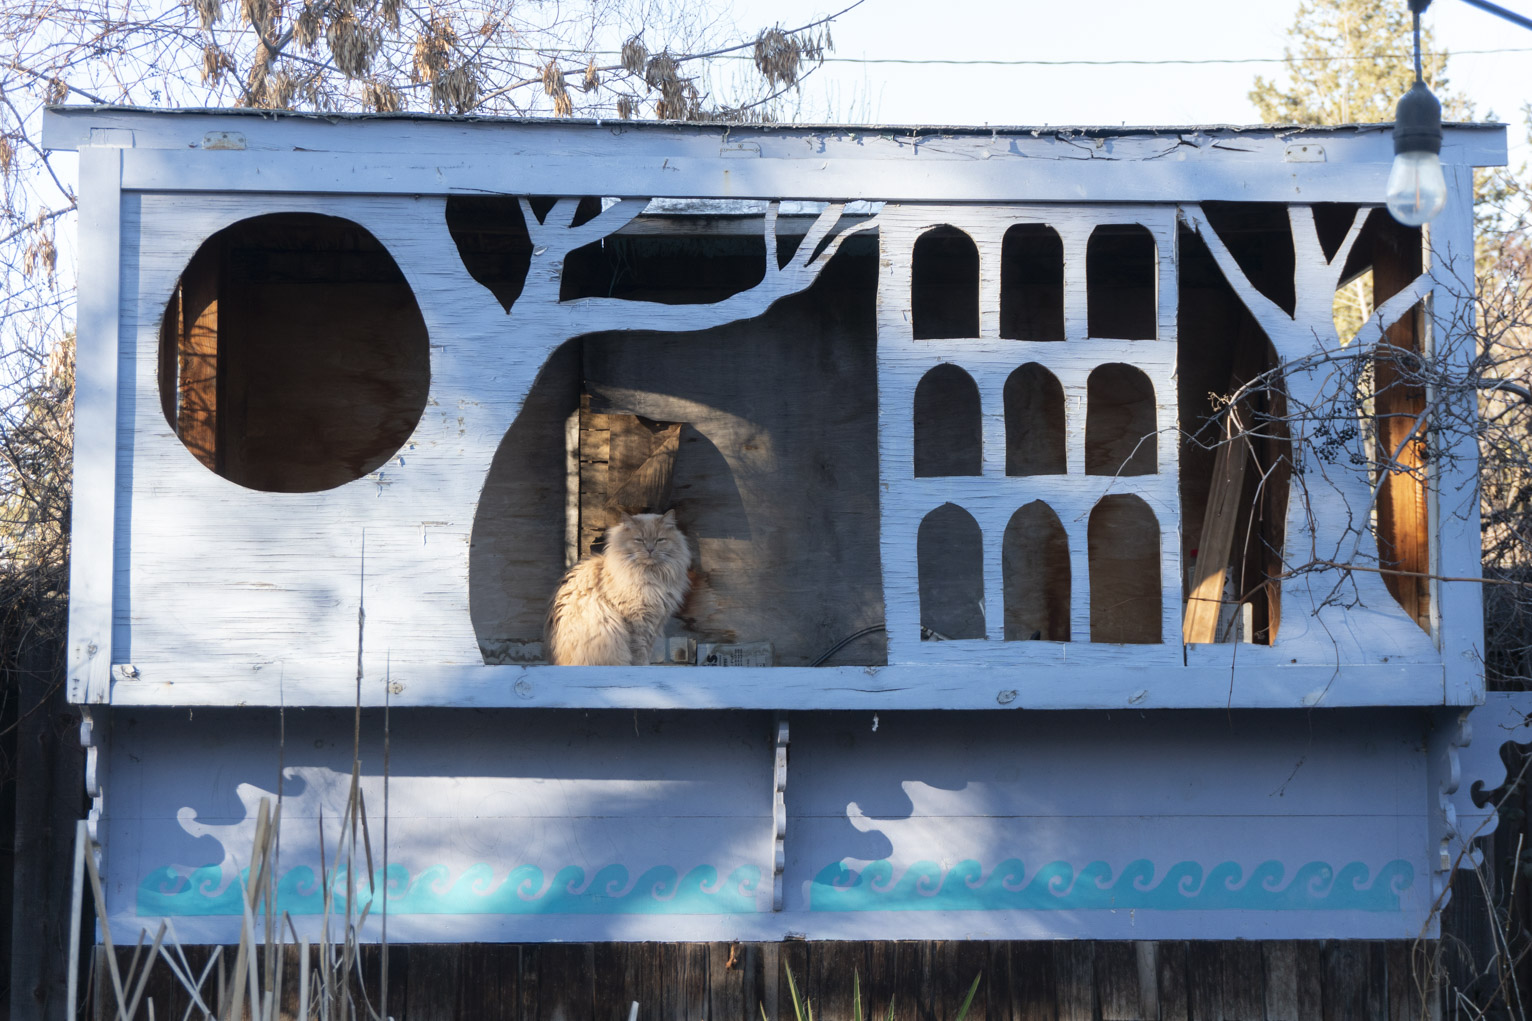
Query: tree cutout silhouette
point(1325, 603)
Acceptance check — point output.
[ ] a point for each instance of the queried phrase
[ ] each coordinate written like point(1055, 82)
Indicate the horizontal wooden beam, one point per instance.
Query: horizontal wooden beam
point(1021, 675)
point(519, 139)
point(646, 175)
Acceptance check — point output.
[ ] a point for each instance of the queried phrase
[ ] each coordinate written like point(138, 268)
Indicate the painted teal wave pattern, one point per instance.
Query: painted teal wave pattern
point(660, 890)
point(1185, 886)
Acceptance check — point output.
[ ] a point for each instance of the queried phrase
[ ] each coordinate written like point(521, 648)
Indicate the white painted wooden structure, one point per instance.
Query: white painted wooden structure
point(543, 816)
point(189, 589)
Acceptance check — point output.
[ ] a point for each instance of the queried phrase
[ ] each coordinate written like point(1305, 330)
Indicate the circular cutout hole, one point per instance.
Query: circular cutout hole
point(293, 356)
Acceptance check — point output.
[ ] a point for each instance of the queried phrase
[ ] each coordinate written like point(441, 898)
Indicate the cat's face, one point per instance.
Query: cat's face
point(648, 539)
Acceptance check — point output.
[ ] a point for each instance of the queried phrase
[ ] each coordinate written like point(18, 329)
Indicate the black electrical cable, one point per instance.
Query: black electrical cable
point(870, 630)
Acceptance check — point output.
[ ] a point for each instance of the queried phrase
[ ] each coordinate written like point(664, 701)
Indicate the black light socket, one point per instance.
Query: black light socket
point(1418, 121)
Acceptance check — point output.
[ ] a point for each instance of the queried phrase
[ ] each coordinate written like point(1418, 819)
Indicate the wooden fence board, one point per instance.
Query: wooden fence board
point(1117, 981)
point(1075, 985)
point(1032, 976)
point(1345, 981)
point(1204, 980)
point(1170, 967)
point(1243, 993)
point(922, 981)
point(1310, 981)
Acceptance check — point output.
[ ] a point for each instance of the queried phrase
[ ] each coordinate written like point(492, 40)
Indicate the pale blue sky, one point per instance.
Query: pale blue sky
point(1098, 30)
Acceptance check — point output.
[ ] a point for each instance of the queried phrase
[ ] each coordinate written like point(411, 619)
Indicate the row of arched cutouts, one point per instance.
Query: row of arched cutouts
point(1119, 422)
point(1120, 283)
point(1123, 550)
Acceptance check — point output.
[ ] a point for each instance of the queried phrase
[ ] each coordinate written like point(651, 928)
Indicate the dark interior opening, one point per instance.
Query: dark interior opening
point(1032, 283)
point(1121, 282)
point(774, 476)
point(665, 268)
point(293, 357)
point(1120, 436)
point(1034, 422)
point(1035, 561)
point(1232, 523)
point(950, 564)
point(944, 288)
point(491, 237)
point(947, 424)
point(1123, 540)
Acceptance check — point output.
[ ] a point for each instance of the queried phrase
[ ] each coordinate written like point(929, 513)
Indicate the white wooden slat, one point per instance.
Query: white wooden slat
point(95, 437)
point(670, 176)
point(71, 127)
point(1078, 676)
point(1453, 495)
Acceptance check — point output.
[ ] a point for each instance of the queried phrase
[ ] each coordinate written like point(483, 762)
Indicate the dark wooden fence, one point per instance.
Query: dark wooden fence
point(919, 981)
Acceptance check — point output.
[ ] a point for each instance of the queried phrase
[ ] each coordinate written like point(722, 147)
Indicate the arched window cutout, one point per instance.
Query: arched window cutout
point(1032, 283)
point(947, 426)
point(293, 357)
point(1034, 422)
point(1123, 543)
point(1120, 437)
point(1035, 564)
point(949, 554)
point(1121, 282)
point(944, 287)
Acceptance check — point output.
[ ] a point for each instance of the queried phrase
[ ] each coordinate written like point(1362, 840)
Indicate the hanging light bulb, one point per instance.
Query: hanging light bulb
point(1417, 189)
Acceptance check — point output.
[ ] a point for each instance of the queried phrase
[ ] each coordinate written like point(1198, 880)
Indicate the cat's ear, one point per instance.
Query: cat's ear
point(670, 517)
point(627, 519)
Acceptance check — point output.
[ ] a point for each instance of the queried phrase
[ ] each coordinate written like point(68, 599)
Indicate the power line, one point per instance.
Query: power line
point(1113, 63)
point(947, 62)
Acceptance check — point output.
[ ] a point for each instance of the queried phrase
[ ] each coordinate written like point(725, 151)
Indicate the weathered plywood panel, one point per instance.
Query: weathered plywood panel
point(611, 826)
point(806, 535)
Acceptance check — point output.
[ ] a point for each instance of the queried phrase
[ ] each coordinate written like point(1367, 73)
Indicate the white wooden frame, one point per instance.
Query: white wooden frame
point(137, 164)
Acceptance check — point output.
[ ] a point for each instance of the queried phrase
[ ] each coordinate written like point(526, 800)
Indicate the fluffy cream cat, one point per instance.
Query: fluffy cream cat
point(609, 608)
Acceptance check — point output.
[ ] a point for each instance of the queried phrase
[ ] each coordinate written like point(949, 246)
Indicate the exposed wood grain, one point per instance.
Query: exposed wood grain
point(484, 981)
point(557, 982)
point(1117, 981)
point(1412, 995)
point(1377, 982)
point(793, 956)
point(642, 465)
point(1001, 993)
point(1281, 966)
point(1171, 970)
point(1075, 980)
point(1204, 604)
point(1345, 981)
point(1399, 405)
point(922, 980)
point(1204, 979)
point(1147, 952)
point(436, 986)
point(833, 967)
point(195, 386)
point(1034, 981)
point(1243, 981)
point(733, 980)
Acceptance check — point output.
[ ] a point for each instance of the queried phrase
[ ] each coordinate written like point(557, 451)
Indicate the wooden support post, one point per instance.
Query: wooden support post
point(1399, 402)
point(1219, 525)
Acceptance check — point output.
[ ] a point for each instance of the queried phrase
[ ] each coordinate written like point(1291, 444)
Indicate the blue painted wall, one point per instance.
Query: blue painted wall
point(507, 825)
